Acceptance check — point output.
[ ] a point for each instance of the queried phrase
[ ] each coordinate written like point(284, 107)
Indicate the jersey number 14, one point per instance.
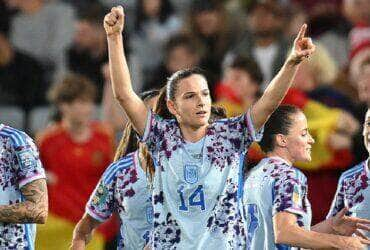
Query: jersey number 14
point(196, 199)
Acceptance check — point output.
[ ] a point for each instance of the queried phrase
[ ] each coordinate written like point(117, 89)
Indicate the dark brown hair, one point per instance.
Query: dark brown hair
point(174, 80)
point(279, 123)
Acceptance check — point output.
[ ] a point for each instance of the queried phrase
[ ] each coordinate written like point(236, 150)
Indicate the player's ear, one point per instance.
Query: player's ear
point(280, 140)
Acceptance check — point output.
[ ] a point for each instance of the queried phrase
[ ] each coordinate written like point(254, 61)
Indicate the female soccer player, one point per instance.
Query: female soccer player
point(353, 188)
point(197, 163)
point(277, 212)
point(123, 189)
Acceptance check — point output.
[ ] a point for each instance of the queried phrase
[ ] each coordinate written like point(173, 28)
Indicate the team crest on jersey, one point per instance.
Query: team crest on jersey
point(191, 173)
point(149, 214)
point(26, 159)
point(100, 196)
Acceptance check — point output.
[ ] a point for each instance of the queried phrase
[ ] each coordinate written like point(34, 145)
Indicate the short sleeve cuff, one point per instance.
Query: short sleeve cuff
point(148, 126)
point(292, 210)
point(95, 214)
point(30, 179)
point(255, 135)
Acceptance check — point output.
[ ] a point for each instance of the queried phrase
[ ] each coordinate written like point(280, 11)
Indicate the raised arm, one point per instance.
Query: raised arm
point(34, 209)
point(277, 89)
point(83, 232)
point(286, 231)
point(120, 75)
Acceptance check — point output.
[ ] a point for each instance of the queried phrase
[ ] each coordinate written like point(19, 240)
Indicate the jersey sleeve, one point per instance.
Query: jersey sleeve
point(28, 166)
point(240, 131)
point(338, 201)
point(290, 194)
point(101, 203)
point(156, 131)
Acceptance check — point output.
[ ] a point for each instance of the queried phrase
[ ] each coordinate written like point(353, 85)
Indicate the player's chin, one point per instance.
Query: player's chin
point(307, 157)
point(200, 121)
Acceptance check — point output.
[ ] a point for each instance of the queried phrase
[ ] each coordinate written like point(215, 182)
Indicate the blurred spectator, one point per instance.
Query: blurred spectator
point(22, 80)
point(357, 11)
point(238, 91)
point(155, 22)
point(75, 153)
point(88, 53)
point(44, 30)
point(363, 86)
point(180, 53)
point(263, 41)
point(239, 87)
point(319, 70)
point(209, 25)
point(360, 49)
point(330, 29)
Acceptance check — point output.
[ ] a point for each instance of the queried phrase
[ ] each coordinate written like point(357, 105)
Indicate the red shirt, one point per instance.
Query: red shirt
point(77, 167)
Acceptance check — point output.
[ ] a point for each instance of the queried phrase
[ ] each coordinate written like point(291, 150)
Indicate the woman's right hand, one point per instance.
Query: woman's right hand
point(114, 21)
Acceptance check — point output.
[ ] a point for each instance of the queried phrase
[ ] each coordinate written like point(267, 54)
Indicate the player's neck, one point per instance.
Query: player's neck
point(281, 154)
point(192, 134)
point(79, 132)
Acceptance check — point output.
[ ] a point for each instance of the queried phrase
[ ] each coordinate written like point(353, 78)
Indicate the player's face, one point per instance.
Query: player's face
point(299, 141)
point(192, 104)
point(78, 112)
point(366, 131)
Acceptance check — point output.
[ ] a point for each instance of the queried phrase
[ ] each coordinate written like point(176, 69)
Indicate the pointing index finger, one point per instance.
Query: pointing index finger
point(302, 31)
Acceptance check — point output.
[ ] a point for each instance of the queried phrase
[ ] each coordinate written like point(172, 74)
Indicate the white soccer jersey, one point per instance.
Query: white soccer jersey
point(353, 192)
point(273, 186)
point(123, 189)
point(19, 165)
point(195, 186)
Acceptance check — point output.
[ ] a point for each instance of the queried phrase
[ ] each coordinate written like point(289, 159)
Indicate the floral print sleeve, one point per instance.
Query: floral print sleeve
point(290, 194)
point(27, 165)
point(239, 131)
point(160, 133)
point(101, 203)
point(338, 201)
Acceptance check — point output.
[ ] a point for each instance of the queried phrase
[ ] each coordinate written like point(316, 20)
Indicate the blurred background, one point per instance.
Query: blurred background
point(53, 71)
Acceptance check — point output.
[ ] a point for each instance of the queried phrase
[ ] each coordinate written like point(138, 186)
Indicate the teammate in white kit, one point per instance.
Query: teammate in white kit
point(124, 189)
point(353, 190)
point(23, 192)
point(198, 165)
point(276, 209)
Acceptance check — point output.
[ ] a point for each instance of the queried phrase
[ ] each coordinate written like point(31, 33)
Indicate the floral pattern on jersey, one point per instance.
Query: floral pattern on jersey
point(351, 189)
point(19, 165)
point(15, 232)
point(228, 138)
point(225, 140)
point(226, 217)
point(110, 196)
point(117, 189)
point(8, 178)
point(290, 192)
point(166, 234)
